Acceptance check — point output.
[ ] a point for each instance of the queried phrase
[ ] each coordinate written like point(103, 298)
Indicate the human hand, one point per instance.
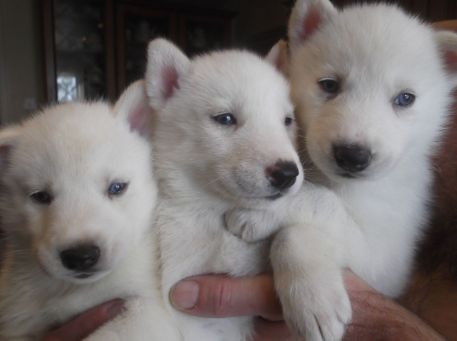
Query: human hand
point(374, 316)
point(222, 296)
point(377, 317)
point(85, 324)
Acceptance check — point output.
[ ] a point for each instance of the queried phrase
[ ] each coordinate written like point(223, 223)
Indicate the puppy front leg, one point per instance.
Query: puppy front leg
point(308, 279)
point(143, 320)
point(254, 224)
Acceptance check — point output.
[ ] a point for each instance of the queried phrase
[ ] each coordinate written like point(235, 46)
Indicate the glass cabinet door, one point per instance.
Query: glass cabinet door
point(95, 48)
point(79, 38)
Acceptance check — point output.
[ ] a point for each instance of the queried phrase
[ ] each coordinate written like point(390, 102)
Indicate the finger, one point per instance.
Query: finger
point(354, 283)
point(271, 331)
point(221, 296)
point(85, 324)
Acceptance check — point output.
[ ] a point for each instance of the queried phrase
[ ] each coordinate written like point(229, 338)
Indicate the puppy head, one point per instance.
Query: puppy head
point(226, 121)
point(369, 91)
point(77, 188)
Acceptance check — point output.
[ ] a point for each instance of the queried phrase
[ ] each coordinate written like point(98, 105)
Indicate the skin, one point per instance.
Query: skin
point(374, 316)
point(433, 297)
point(85, 324)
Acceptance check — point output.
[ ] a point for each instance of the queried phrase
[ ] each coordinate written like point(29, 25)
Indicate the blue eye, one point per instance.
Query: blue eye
point(226, 119)
point(117, 188)
point(42, 197)
point(404, 99)
point(330, 86)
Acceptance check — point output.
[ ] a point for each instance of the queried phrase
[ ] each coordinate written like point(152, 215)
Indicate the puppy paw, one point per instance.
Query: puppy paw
point(250, 225)
point(316, 308)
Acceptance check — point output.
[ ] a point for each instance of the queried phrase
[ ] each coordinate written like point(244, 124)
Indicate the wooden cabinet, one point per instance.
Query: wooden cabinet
point(95, 48)
point(135, 27)
point(195, 31)
point(76, 50)
point(431, 10)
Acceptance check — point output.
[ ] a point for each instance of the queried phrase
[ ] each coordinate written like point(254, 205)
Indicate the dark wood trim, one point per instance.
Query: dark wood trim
point(430, 10)
point(49, 50)
point(180, 8)
point(110, 48)
point(121, 11)
point(186, 17)
point(262, 42)
point(120, 49)
point(446, 25)
point(420, 7)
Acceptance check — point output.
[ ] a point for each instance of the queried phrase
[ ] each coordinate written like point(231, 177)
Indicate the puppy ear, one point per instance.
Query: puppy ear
point(133, 107)
point(279, 57)
point(307, 16)
point(8, 139)
point(447, 43)
point(166, 65)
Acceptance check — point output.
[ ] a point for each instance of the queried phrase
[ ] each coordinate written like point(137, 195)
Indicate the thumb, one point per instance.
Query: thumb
point(222, 296)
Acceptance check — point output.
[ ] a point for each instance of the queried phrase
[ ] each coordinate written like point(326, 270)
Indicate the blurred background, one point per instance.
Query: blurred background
point(65, 50)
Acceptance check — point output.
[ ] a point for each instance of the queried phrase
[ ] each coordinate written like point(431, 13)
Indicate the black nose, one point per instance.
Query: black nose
point(282, 174)
point(81, 257)
point(351, 157)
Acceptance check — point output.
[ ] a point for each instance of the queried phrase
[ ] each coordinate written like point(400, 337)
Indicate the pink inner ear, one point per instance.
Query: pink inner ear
point(450, 58)
point(311, 23)
point(138, 120)
point(170, 81)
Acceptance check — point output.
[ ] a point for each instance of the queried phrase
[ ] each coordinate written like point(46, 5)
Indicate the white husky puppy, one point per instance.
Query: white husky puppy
point(372, 87)
point(224, 137)
point(76, 202)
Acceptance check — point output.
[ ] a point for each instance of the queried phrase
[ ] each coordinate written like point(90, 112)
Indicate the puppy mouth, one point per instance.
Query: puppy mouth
point(275, 196)
point(348, 175)
point(87, 276)
point(246, 193)
point(84, 275)
point(266, 197)
point(269, 197)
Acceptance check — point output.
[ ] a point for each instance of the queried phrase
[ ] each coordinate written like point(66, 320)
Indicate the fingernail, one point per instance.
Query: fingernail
point(114, 308)
point(184, 295)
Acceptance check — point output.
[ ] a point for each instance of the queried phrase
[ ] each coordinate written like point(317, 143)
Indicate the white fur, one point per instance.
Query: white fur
point(369, 223)
point(75, 151)
point(206, 169)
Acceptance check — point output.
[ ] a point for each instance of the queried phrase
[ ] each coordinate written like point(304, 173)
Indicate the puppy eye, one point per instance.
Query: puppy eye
point(288, 121)
point(329, 86)
point(226, 119)
point(117, 188)
point(404, 99)
point(42, 197)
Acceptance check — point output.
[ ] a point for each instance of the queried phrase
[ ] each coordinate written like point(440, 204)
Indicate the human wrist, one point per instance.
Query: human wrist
point(375, 316)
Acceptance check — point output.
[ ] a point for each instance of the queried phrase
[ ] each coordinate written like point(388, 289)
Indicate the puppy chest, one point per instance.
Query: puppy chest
point(194, 248)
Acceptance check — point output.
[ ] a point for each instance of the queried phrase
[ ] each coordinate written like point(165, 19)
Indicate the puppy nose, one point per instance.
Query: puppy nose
point(351, 157)
point(282, 174)
point(81, 257)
